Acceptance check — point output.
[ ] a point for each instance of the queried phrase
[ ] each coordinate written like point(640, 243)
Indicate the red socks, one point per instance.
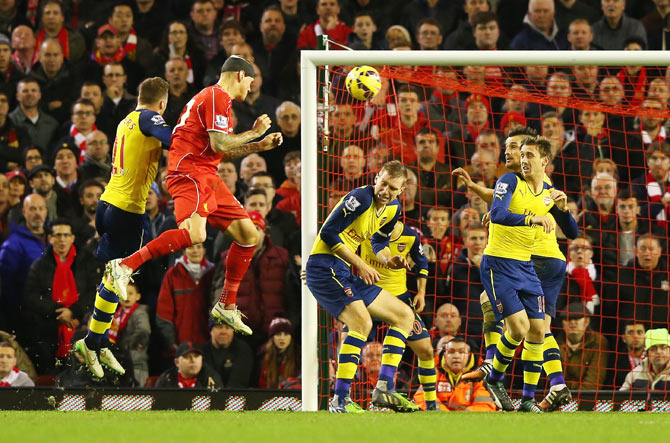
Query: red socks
point(169, 241)
point(237, 264)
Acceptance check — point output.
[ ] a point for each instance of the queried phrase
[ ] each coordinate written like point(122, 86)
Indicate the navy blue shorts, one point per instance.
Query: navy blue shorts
point(512, 286)
point(551, 272)
point(121, 232)
point(334, 286)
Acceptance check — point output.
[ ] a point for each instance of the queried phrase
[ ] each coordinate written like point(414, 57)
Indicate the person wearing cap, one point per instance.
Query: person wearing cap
point(108, 49)
point(584, 352)
point(25, 244)
point(189, 370)
point(181, 312)
point(200, 196)
point(39, 126)
point(262, 291)
point(653, 372)
point(18, 185)
point(42, 179)
point(230, 356)
point(280, 366)
point(96, 162)
point(53, 22)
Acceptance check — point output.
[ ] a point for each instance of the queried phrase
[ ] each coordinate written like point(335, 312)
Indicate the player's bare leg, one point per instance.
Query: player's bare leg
point(241, 252)
point(400, 318)
point(559, 393)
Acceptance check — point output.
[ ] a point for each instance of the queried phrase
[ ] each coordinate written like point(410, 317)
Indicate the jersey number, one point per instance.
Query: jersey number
point(185, 114)
point(117, 156)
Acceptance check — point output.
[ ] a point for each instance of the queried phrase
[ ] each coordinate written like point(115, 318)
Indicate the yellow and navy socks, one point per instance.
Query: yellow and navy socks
point(492, 330)
point(394, 347)
point(503, 356)
point(428, 379)
point(532, 367)
point(552, 361)
point(106, 302)
point(347, 363)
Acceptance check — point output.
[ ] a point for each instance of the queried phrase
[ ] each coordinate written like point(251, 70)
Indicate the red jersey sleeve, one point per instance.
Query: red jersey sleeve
point(215, 111)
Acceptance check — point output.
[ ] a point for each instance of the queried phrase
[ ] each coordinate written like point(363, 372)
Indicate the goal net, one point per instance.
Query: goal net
point(605, 114)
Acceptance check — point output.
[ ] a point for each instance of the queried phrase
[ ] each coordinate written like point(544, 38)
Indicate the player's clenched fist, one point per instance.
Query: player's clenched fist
point(262, 124)
point(560, 199)
point(272, 140)
point(544, 221)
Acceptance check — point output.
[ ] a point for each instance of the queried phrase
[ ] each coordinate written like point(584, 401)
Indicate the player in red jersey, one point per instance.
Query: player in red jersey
point(200, 140)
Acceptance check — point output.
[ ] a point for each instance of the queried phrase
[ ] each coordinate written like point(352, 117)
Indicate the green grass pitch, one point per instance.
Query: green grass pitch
point(321, 427)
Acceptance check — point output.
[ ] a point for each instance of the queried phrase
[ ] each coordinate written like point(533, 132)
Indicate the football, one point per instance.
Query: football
point(363, 82)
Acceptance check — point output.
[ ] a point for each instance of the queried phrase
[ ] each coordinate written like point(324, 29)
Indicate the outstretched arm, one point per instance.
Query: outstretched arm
point(485, 193)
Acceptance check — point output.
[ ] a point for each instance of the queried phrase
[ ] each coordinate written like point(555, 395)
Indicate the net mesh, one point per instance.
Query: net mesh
point(607, 123)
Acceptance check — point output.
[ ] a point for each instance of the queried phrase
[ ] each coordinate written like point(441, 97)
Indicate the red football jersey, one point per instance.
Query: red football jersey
point(190, 151)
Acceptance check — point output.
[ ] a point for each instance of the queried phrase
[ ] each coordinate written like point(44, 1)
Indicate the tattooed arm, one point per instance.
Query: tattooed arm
point(269, 142)
point(237, 145)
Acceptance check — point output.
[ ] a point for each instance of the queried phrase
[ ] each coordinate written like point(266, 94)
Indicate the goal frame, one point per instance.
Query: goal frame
point(310, 60)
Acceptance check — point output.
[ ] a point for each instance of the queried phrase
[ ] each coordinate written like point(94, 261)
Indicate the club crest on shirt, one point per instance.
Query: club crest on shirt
point(547, 200)
point(348, 291)
point(221, 121)
point(383, 221)
point(499, 306)
point(401, 246)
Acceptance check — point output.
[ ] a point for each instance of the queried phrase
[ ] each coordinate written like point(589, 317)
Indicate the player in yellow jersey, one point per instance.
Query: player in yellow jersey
point(521, 203)
point(404, 241)
point(368, 212)
point(120, 218)
point(550, 266)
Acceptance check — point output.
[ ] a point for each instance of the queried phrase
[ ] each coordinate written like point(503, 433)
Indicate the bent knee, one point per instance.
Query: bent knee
point(197, 235)
point(361, 325)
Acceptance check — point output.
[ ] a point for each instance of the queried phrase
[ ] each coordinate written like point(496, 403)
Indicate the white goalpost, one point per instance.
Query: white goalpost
point(310, 60)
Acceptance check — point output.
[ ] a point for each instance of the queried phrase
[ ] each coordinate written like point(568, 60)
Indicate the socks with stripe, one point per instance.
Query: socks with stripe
point(347, 363)
point(237, 263)
point(166, 243)
point(428, 379)
point(532, 367)
point(503, 356)
point(492, 330)
point(106, 302)
point(394, 347)
point(552, 361)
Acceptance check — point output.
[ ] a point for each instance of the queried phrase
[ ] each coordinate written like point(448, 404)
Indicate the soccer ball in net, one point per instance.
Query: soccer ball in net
point(363, 82)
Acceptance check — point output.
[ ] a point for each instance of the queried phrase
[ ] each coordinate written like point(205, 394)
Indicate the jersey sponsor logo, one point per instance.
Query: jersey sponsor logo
point(501, 188)
point(547, 200)
point(401, 246)
point(499, 305)
point(351, 203)
point(355, 235)
point(348, 291)
point(158, 120)
point(221, 121)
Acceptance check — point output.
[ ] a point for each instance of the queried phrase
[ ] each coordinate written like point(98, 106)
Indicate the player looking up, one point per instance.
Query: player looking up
point(120, 218)
point(404, 241)
point(520, 206)
point(201, 139)
point(549, 263)
point(368, 212)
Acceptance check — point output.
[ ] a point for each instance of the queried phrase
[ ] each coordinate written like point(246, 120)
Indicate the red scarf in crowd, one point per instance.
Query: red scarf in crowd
point(11, 378)
point(190, 79)
point(63, 38)
point(19, 63)
point(120, 321)
point(186, 382)
point(80, 140)
point(654, 190)
point(103, 60)
point(131, 45)
point(638, 83)
point(64, 293)
point(31, 11)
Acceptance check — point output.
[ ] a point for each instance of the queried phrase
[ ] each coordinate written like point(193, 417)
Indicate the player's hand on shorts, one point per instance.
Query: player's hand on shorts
point(544, 221)
point(419, 302)
point(272, 140)
point(398, 262)
point(367, 273)
point(463, 175)
point(560, 199)
point(262, 124)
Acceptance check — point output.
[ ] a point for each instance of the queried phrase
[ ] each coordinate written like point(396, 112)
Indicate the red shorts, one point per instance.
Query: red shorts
point(206, 195)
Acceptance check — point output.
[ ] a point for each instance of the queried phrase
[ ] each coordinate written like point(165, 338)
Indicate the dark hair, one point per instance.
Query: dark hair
point(152, 90)
point(61, 221)
point(234, 24)
point(201, 1)
point(483, 17)
point(274, 361)
point(625, 194)
point(263, 174)
point(476, 226)
point(164, 47)
point(648, 236)
point(273, 7)
point(635, 39)
point(28, 79)
point(657, 146)
point(365, 13)
point(632, 321)
point(91, 83)
point(290, 156)
point(88, 184)
point(522, 130)
point(51, 2)
point(428, 130)
point(28, 148)
point(255, 191)
point(429, 21)
point(82, 101)
point(552, 114)
point(543, 145)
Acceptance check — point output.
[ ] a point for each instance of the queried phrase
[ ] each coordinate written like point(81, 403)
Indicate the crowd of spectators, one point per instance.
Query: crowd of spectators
point(68, 74)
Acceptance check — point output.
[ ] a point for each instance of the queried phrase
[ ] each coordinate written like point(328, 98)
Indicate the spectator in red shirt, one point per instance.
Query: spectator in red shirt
point(328, 23)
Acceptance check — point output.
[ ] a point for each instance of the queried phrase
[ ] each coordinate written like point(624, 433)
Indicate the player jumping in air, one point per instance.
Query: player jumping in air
point(404, 241)
point(549, 263)
point(200, 140)
point(368, 212)
point(519, 210)
point(119, 218)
